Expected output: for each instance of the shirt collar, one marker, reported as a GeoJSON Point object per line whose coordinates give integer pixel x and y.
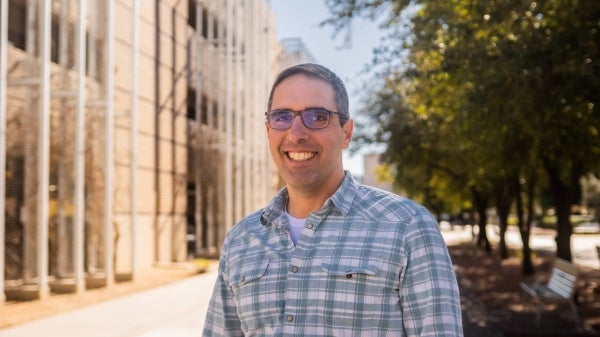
{"type": "Point", "coordinates": [343, 198]}
{"type": "Point", "coordinates": [341, 201]}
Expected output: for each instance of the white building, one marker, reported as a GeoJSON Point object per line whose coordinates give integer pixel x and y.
{"type": "Point", "coordinates": [127, 127]}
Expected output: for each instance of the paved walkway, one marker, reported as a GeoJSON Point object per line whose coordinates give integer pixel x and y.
{"type": "Point", "coordinates": [583, 246]}
{"type": "Point", "coordinates": [174, 310]}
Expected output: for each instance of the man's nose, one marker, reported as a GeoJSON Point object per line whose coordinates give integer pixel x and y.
{"type": "Point", "coordinates": [297, 130]}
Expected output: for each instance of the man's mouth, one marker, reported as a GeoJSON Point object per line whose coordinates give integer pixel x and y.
{"type": "Point", "coordinates": [301, 156]}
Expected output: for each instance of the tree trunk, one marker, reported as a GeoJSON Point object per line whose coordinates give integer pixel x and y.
{"type": "Point", "coordinates": [525, 223]}
{"type": "Point", "coordinates": [503, 224]}
{"type": "Point", "coordinates": [503, 201]}
{"type": "Point", "coordinates": [481, 202]}
{"type": "Point", "coordinates": [563, 195]}
{"type": "Point", "coordinates": [563, 227]}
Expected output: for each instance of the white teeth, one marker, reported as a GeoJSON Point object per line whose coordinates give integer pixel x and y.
{"type": "Point", "coordinates": [301, 155]}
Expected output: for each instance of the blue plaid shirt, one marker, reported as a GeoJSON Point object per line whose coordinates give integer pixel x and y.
{"type": "Point", "coordinates": [369, 263]}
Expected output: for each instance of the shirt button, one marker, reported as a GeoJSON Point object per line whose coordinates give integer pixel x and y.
{"type": "Point", "coordinates": [294, 269]}
{"type": "Point", "coordinates": [242, 278]}
{"type": "Point", "coordinates": [309, 226]}
{"type": "Point", "coordinates": [289, 318]}
{"type": "Point", "coordinates": [348, 275]}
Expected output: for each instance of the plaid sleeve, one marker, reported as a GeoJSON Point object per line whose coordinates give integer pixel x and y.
{"type": "Point", "coordinates": [429, 295]}
{"type": "Point", "coordinates": [222, 319]}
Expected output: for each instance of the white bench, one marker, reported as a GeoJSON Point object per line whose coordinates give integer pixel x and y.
{"type": "Point", "coordinates": [560, 288]}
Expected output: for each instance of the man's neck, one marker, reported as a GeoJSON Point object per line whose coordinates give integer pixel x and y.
{"type": "Point", "coordinates": [300, 206]}
{"type": "Point", "coordinates": [301, 203]}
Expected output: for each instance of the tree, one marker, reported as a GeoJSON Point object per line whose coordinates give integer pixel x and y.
{"type": "Point", "coordinates": [487, 92]}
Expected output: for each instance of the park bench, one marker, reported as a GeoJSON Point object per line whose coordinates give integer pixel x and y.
{"type": "Point", "coordinates": [560, 288]}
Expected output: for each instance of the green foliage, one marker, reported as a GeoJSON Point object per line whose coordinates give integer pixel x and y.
{"type": "Point", "coordinates": [476, 94]}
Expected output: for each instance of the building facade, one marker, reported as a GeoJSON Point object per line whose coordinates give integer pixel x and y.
{"type": "Point", "coordinates": [131, 133]}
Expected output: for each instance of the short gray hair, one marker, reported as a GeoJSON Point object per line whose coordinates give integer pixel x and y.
{"type": "Point", "coordinates": [312, 70]}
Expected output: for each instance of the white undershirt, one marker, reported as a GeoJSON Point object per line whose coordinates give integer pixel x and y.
{"type": "Point", "coordinates": [296, 226]}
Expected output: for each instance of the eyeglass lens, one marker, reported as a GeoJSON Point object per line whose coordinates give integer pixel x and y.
{"type": "Point", "coordinates": [313, 118]}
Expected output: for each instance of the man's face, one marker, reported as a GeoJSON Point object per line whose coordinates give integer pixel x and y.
{"type": "Point", "coordinates": [308, 160]}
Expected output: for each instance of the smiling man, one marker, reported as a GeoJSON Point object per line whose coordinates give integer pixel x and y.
{"type": "Point", "coordinates": [328, 256]}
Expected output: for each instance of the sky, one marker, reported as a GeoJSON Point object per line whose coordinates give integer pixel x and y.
{"type": "Point", "coordinates": [295, 18]}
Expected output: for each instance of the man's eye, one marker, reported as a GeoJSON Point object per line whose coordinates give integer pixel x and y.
{"type": "Point", "coordinates": [280, 116]}
{"type": "Point", "coordinates": [319, 116]}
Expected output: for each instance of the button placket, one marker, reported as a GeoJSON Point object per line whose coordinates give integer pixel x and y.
{"type": "Point", "coordinates": [298, 261]}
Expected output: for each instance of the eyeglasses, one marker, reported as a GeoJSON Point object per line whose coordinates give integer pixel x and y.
{"type": "Point", "coordinates": [312, 118]}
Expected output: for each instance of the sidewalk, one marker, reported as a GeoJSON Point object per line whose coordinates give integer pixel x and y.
{"type": "Point", "coordinates": [176, 310]}
{"type": "Point", "coordinates": [583, 246]}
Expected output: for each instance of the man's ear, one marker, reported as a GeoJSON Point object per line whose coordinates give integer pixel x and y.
{"type": "Point", "coordinates": [348, 128]}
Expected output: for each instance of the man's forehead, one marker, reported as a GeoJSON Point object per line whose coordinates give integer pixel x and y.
{"type": "Point", "coordinates": [303, 84]}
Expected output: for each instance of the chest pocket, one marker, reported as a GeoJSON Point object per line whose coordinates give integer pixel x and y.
{"type": "Point", "coordinates": [357, 287]}
{"type": "Point", "coordinates": [255, 293]}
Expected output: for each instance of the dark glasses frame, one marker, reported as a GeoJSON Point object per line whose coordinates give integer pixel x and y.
{"type": "Point", "coordinates": [305, 116]}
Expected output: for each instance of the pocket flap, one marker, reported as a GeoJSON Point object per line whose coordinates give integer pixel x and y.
{"type": "Point", "coordinates": [249, 272]}
{"type": "Point", "coordinates": [351, 266]}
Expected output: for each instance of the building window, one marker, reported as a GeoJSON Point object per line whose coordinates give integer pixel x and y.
{"type": "Point", "coordinates": [17, 33]}
{"type": "Point", "coordinates": [191, 107]}
{"type": "Point", "coordinates": [216, 30]}
{"type": "Point", "coordinates": [205, 23]}
{"type": "Point", "coordinates": [94, 46]}
{"type": "Point", "coordinates": [55, 39]}
{"type": "Point", "coordinates": [191, 104]}
{"type": "Point", "coordinates": [204, 110]}
{"type": "Point", "coordinates": [192, 13]}
{"type": "Point", "coordinates": [17, 23]}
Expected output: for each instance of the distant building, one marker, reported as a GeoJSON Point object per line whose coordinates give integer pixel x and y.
{"type": "Point", "coordinates": [294, 51]}
{"type": "Point", "coordinates": [371, 162]}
